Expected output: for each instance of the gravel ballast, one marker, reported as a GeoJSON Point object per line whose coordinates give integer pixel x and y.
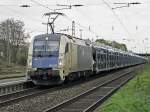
{"type": "Point", "coordinates": [41, 102]}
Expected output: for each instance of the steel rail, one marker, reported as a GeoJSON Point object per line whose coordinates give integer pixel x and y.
{"type": "Point", "coordinates": [7, 98]}
{"type": "Point", "coordinates": [75, 99]}
{"type": "Point", "coordinates": [52, 89]}
{"type": "Point", "coordinates": [32, 94]}
{"type": "Point", "coordinates": [105, 97]}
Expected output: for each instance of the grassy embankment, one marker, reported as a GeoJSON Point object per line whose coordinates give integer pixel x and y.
{"type": "Point", "coordinates": [134, 97]}
{"type": "Point", "coordinates": [12, 71]}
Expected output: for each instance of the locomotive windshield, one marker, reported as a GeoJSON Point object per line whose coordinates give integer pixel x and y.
{"type": "Point", "coordinates": [45, 48]}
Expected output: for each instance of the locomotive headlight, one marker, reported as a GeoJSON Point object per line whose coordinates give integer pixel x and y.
{"type": "Point", "coordinates": [60, 62]}
{"type": "Point", "coordinates": [30, 63]}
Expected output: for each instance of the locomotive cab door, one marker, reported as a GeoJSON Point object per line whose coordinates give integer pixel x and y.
{"type": "Point", "coordinates": [67, 59]}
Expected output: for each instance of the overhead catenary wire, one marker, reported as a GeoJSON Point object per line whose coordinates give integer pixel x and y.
{"type": "Point", "coordinates": [117, 17]}
{"type": "Point", "coordinates": [13, 11]}
{"type": "Point", "coordinates": [87, 17]}
{"type": "Point", "coordinates": [44, 6]}
{"type": "Point", "coordinates": [41, 5]}
{"type": "Point", "coordinates": [87, 29]}
{"type": "Point", "coordinates": [16, 11]}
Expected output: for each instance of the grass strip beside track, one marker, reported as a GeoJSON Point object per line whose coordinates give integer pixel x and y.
{"type": "Point", "coordinates": [134, 97]}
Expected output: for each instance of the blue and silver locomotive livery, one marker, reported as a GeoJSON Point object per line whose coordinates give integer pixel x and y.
{"type": "Point", "coordinates": [55, 58]}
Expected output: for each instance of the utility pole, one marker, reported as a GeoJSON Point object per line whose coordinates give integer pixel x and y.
{"type": "Point", "coordinates": [81, 33]}
{"type": "Point", "coordinates": [9, 57]}
{"type": "Point", "coordinates": [8, 42]}
{"type": "Point", "coordinates": [97, 37]}
{"type": "Point", "coordinates": [73, 28]}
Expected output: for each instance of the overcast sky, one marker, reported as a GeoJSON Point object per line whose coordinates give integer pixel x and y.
{"type": "Point", "coordinates": [130, 25]}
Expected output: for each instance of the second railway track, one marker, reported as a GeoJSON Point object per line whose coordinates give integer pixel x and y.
{"type": "Point", "coordinates": [89, 100]}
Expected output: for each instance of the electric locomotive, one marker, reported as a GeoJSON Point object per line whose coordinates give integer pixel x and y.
{"type": "Point", "coordinates": [56, 57]}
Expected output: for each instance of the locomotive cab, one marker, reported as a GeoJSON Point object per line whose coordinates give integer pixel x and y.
{"type": "Point", "coordinates": [45, 59]}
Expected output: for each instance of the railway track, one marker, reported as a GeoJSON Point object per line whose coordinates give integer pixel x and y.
{"type": "Point", "coordinates": [16, 96]}
{"type": "Point", "coordinates": [31, 93]}
{"type": "Point", "coordinates": [91, 99]}
{"type": "Point", "coordinates": [21, 95]}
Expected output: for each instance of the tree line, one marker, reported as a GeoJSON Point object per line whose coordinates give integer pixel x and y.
{"type": "Point", "coordinates": [13, 42]}
{"type": "Point", "coordinates": [113, 44]}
